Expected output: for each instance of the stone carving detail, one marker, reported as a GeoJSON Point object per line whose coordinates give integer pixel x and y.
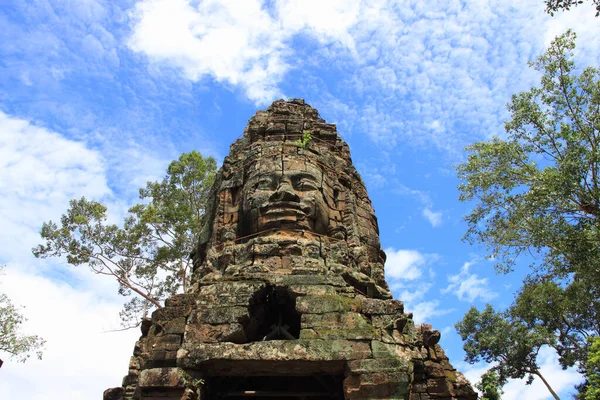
{"type": "Point", "coordinates": [289, 298]}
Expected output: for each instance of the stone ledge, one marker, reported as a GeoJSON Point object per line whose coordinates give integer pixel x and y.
{"type": "Point", "coordinates": [275, 350]}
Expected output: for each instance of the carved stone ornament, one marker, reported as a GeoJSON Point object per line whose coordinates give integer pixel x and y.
{"type": "Point", "coordinates": [288, 297]}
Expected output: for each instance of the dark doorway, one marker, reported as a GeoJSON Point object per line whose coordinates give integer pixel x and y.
{"type": "Point", "coordinates": [272, 315]}
{"type": "Point", "coordinates": [315, 387]}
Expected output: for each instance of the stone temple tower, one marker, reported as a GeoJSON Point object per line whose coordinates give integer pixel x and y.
{"type": "Point", "coordinates": [288, 297]}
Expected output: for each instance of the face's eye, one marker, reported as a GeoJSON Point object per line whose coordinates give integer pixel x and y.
{"type": "Point", "coordinates": [304, 183]}
{"type": "Point", "coordinates": [265, 183]}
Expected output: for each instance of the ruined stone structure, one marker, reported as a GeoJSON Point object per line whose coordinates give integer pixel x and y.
{"type": "Point", "coordinates": [289, 298]}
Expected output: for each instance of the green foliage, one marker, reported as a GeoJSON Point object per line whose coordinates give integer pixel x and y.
{"type": "Point", "coordinates": [149, 255]}
{"type": "Point", "coordinates": [305, 140]}
{"type": "Point", "coordinates": [568, 312]}
{"type": "Point", "coordinates": [12, 341]}
{"type": "Point", "coordinates": [592, 391]}
{"type": "Point", "coordinates": [536, 194]}
{"type": "Point", "coordinates": [489, 386]}
{"type": "Point", "coordinates": [495, 337]}
{"type": "Point", "coordinates": [565, 5]}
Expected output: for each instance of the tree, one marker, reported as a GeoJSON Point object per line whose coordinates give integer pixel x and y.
{"type": "Point", "coordinates": [537, 195]}
{"type": "Point", "coordinates": [12, 341]}
{"type": "Point", "coordinates": [565, 5]}
{"type": "Point", "coordinates": [592, 386]}
{"type": "Point", "coordinates": [495, 337]}
{"type": "Point", "coordinates": [568, 312]}
{"type": "Point", "coordinates": [537, 192]}
{"type": "Point", "coordinates": [489, 386]}
{"type": "Point", "coordinates": [150, 255]}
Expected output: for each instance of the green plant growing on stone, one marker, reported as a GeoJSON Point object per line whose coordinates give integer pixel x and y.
{"type": "Point", "coordinates": [305, 140]}
{"type": "Point", "coordinates": [149, 255]}
{"type": "Point", "coordinates": [192, 383]}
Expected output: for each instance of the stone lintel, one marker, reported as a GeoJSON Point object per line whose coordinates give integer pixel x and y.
{"type": "Point", "coordinates": [274, 350]}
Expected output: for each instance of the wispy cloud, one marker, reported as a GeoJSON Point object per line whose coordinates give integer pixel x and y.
{"type": "Point", "coordinates": [435, 218]}
{"type": "Point", "coordinates": [405, 272]}
{"type": "Point", "coordinates": [429, 76]}
{"type": "Point", "coordinates": [468, 286]}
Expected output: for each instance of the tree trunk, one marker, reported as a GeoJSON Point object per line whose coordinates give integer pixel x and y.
{"type": "Point", "coordinates": [538, 373]}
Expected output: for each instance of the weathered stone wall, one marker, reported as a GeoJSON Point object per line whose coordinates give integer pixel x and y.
{"type": "Point", "coordinates": [288, 282]}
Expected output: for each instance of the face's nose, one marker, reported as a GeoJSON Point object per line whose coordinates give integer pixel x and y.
{"type": "Point", "coordinates": [285, 192]}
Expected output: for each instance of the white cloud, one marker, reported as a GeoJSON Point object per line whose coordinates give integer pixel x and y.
{"type": "Point", "coordinates": [404, 271]}
{"type": "Point", "coordinates": [40, 171]}
{"type": "Point", "coordinates": [81, 356]}
{"type": "Point", "coordinates": [233, 42]}
{"type": "Point", "coordinates": [424, 311]}
{"type": "Point", "coordinates": [468, 287]}
{"type": "Point", "coordinates": [238, 43]}
{"type": "Point", "coordinates": [450, 63]}
{"type": "Point", "coordinates": [434, 218]}
{"type": "Point", "coordinates": [405, 265]}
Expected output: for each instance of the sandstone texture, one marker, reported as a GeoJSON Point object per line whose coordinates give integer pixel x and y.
{"type": "Point", "coordinates": [288, 296]}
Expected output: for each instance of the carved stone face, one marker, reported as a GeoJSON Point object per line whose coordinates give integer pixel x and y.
{"type": "Point", "coordinates": [285, 194]}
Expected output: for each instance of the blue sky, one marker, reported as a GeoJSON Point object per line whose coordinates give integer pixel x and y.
{"type": "Point", "coordinates": [97, 97]}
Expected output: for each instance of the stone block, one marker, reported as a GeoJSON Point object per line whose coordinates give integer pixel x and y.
{"type": "Point", "coordinates": [326, 304]}
{"type": "Point", "coordinates": [170, 313]}
{"type": "Point", "coordinates": [114, 393]}
{"type": "Point", "coordinates": [162, 377]}
{"type": "Point", "coordinates": [160, 355]}
{"type": "Point", "coordinates": [175, 326]}
{"type": "Point", "coordinates": [386, 350]}
{"type": "Point", "coordinates": [288, 280]}
{"type": "Point", "coordinates": [303, 290]}
{"type": "Point", "coordinates": [339, 334]}
{"type": "Point", "coordinates": [169, 342]}
{"type": "Point", "coordinates": [199, 333]}
{"type": "Point", "coordinates": [218, 315]}
{"type": "Point", "coordinates": [439, 387]}
{"type": "Point", "coordinates": [180, 300]}
{"type": "Point", "coordinates": [341, 320]}
{"type": "Point", "coordinates": [378, 385]}
{"type": "Point", "coordinates": [377, 307]}
{"type": "Point", "coordinates": [368, 365]}
{"type": "Point", "coordinates": [434, 370]}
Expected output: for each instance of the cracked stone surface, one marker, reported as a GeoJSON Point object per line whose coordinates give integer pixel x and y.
{"type": "Point", "coordinates": [288, 292]}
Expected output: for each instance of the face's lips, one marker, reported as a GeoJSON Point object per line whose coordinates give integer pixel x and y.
{"type": "Point", "coordinates": [284, 207]}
